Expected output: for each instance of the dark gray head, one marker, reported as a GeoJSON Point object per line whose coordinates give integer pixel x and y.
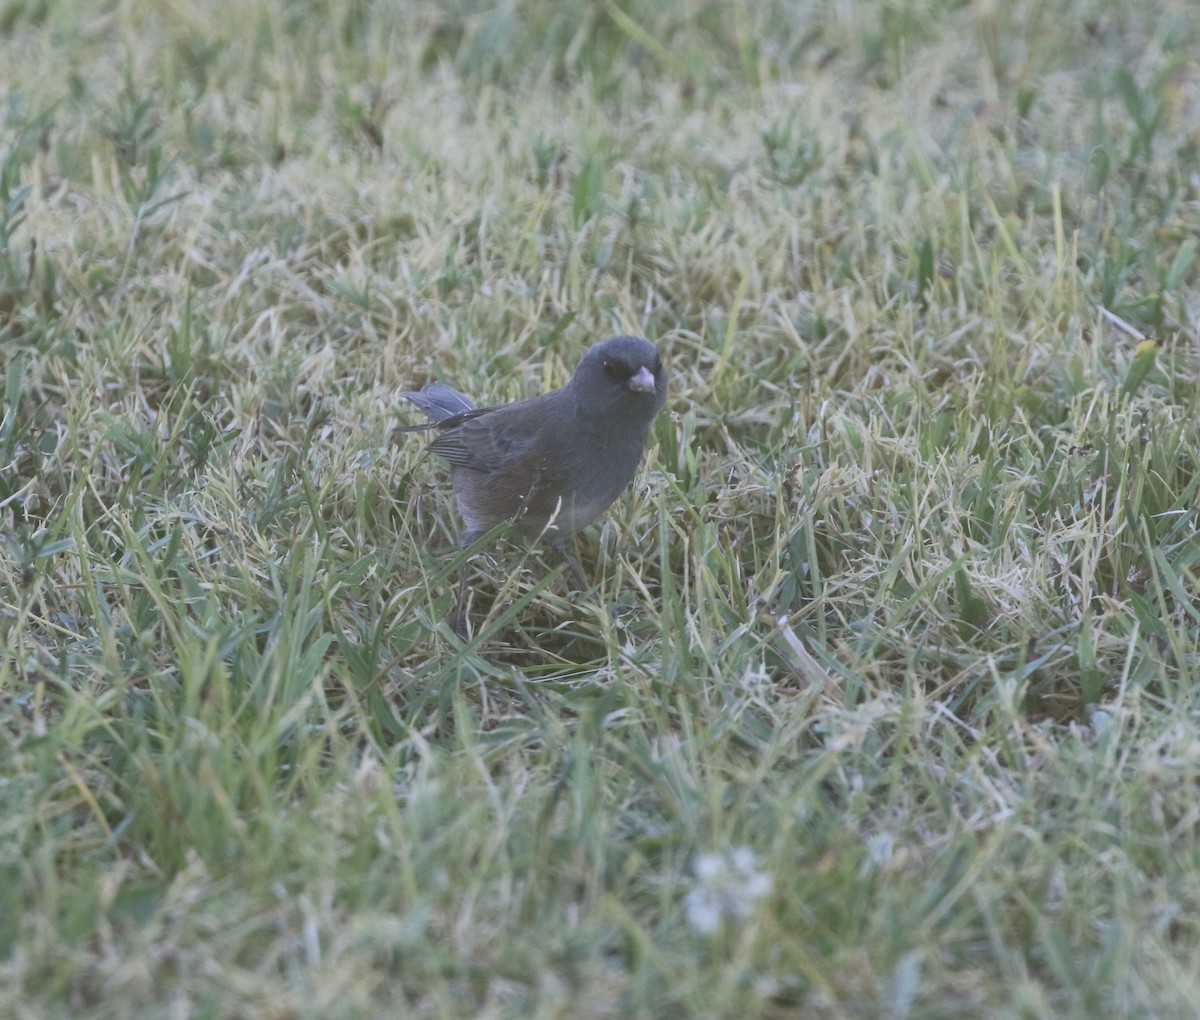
{"type": "Point", "coordinates": [624, 377]}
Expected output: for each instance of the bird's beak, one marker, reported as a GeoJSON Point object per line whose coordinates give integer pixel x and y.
{"type": "Point", "coordinates": [643, 381]}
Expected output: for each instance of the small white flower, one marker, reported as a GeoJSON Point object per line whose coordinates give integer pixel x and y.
{"type": "Point", "coordinates": [742, 858]}
{"type": "Point", "coordinates": [709, 867]}
{"type": "Point", "coordinates": [879, 849]}
{"type": "Point", "coordinates": [1101, 721]}
{"type": "Point", "coordinates": [703, 910]}
{"type": "Point", "coordinates": [727, 886]}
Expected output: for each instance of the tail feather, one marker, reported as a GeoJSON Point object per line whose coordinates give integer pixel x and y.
{"type": "Point", "coordinates": [439, 401]}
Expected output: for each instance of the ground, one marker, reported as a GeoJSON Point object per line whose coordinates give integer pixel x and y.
{"type": "Point", "coordinates": [882, 699]}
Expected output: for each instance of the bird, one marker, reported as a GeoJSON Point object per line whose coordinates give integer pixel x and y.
{"type": "Point", "coordinates": [551, 465]}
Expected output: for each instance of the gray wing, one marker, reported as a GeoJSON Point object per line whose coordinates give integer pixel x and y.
{"type": "Point", "coordinates": [488, 439]}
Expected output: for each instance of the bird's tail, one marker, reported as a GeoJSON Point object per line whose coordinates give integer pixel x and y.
{"type": "Point", "coordinates": [439, 402]}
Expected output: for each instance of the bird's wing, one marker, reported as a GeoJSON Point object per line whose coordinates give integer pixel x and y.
{"type": "Point", "coordinates": [486, 439]}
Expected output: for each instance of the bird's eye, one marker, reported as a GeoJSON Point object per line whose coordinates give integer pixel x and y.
{"type": "Point", "coordinates": [610, 370]}
{"type": "Point", "coordinates": [658, 364]}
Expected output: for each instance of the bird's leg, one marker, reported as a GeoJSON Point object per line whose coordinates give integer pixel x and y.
{"type": "Point", "coordinates": [559, 545]}
{"type": "Point", "coordinates": [577, 574]}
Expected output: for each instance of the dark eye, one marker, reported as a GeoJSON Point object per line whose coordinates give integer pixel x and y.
{"type": "Point", "coordinates": [610, 370]}
{"type": "Point", "coordinates": [658, 364]}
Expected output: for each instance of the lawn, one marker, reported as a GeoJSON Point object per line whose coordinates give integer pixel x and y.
{"type": "Point", "coordinates": [882, 699]}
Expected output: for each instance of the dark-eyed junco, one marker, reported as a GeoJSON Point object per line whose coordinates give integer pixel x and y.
{"type": "Point", "coordinates": [552, 464]}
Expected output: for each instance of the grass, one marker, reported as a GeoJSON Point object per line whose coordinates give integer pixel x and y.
{"type": "Point", "coordinates": [884, 700]}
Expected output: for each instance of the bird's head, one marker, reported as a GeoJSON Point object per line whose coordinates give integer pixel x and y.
{"type": "Point", "coordinates": [623, 376]}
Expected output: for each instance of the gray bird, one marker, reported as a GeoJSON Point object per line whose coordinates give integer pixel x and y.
{"type": "Point", "coordinates": [551, 465]}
